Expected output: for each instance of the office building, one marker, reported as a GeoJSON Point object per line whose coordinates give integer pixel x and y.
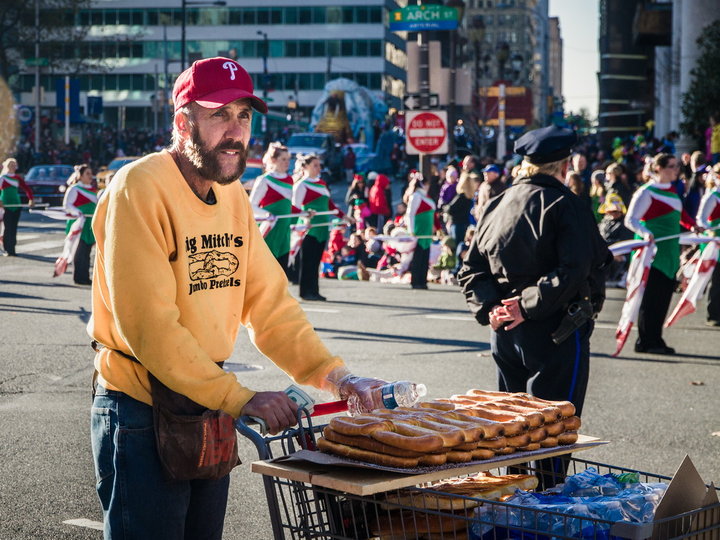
{"type": "Point", "coordinates": [290, 48]}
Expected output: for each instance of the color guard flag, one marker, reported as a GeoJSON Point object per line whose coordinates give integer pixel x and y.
{"type": "Point", "coordinates": [636, 281]}
{"type": "Point", "coordinates": [696, 286]}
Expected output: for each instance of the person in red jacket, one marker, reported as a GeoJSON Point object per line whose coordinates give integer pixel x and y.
{"type": "Point", "coordinates": [379, 201]}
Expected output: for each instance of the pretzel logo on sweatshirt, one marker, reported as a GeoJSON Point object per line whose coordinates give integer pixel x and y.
{"type": "Point", "coordinates": [214, 267]}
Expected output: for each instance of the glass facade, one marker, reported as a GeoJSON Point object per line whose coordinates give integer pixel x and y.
{"type": "Point", "coordinates": [145, 82]}
{"type": "Point", "coordinates": [292, 48]}
{"type": "Point", "coordinates": [213, 16]}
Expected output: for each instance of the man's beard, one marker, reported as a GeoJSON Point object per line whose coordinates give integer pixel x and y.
{"type": "Point", "coordinates": [206, 160]}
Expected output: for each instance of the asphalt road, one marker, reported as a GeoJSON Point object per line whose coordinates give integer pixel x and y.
{"type": "Point", "coordinates": [652, 409]}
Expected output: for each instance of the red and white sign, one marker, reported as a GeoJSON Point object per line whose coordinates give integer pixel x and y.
{"type": "Point", "coordinates": [426, 132]}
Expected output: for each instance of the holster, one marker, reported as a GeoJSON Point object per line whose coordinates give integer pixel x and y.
{"type": "Point", "coordinates": [577, 314]}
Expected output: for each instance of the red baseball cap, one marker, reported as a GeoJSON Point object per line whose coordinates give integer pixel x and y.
{"type": "Point", "coordinates": [214, 82]}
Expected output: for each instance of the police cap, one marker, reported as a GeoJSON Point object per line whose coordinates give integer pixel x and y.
{"type": "Point", "coordinates": [546, 145]}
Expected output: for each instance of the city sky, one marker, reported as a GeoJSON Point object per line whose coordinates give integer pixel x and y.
{"type": "Point", "coordinates": [579, 22]}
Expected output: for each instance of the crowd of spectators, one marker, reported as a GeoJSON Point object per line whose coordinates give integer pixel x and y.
{"type": "Point", "coordinates": [377, 245]}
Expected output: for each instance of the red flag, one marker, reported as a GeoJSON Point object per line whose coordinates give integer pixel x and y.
{"type": "Point", "coordinates": [696, 286]}
{"type": "Point", "coordinates": [636, 282]}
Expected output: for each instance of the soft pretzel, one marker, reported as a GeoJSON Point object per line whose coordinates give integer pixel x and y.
{"type": "Point", "coordinates": [359, 425]}
{"type": "Point", "coordinates": [555, 429]}
{"type": "Point", "coordinates": [511, 423]}
{"type": "Point", "coordinates": [550, 442]}
{"type": "Point", "coordinates": [493, 444]}
{"type": "Point", "coordinates": [537, 434]}
{"type": "Point", "coordinates": [548, 408]}
{"type": "Point", "coordinates": [473, 430]}
{"type": "Point", "coordinates": [436, 405]}
{"type": "Point", "coordinates": [459, 456]}
{"type": "Point", "coordinates": [366, 455]}
{"type": "Point", "coordinates": [410, 437]}
{"type": "Point", "coordinates": [367, 443]}
{"type": "Point", "coordinates": [569, 437]}
{"type": "Point", "coordinates": [433, 460]}
{"type": "Point", "coordinates": [452, 434]}
{"type": "Point", "coordinates": [491, 428]}
{"type": "Point", "coordinates": [566, 407]}
{"type": "Point", "coordinates": [518, 441]}
{"type": "Point", "coordinates": [483, 453]}
{"type": "Point", "coordinates": [496, 411]}
{"type": "Point", "coordinates": [572, 423]}
{"type": "Point", "coordinates": [535, 417]}
{"type": "Point", "coordinates": [530, 447]}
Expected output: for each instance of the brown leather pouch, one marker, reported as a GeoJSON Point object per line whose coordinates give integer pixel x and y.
{"type": "Point", "coordinates": [193, 442]}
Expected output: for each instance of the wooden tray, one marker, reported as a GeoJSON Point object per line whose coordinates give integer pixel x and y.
{"type": "Point", "coordinates": [362, 479]}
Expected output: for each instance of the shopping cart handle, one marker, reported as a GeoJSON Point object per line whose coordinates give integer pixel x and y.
{"type": "Point", "coordinates": [321, 409]}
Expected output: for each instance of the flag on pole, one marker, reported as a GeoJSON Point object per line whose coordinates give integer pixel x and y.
{"type": "Point", "coordinates": [69, 246]}
{"type": "Point", "coordinates": [636, 282]}
{"type": "Point", "coordinates": [297, 235]}
{"type": "Point", "coordinates": [696, 286]}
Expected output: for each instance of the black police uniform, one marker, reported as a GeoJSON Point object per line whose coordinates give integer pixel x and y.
{"type": "Point", "coordinates": [537, 240]}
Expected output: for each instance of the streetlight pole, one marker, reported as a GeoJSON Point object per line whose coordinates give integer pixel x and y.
{"type": "Point", "coordinates": [265, 57]}
{"type": "Point", "coordinates": [37, 76]}
{"type": "Point", "coordinates": [183, 22]}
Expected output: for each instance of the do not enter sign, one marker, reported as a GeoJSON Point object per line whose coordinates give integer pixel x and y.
{"type": "Point", "coordinates": [426, 132]}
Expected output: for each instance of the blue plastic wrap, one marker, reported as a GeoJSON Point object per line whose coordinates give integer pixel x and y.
{"type": "Point", "coordinates": [584, 507]}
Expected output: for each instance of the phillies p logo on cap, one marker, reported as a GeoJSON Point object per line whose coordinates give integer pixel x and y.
{"type": "Point", "coordinates": [214, 82]}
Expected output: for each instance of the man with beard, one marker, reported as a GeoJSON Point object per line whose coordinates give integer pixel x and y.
{"type": "Point", "coordinates": [181, 265]}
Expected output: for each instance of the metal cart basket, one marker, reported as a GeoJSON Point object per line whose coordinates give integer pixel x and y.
{"type": "Point", "coordinates": [303, 510]}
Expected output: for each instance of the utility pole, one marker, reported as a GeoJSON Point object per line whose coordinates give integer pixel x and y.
{"type": "Point", "coordinates": [263, 121]}
{"type": "Point", "coordinates": [166, 86]}
{"type": "Point", "coordinates": [37, 76]}
{"type": "Point", "coordinates": [424, 83]}
{"type": "Point", "coordinates": [501, 149]}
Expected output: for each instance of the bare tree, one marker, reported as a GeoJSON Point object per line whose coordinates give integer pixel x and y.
{"type": "Point", "coordinates": [58, 34]}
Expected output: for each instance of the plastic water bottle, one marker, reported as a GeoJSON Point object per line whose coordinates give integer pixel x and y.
{"type": "Point", "coordinates": [390, 396]}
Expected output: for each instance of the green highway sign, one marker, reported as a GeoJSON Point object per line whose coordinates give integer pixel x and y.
{"type": "Point", "coordinates": [34, 62]}
{"type": "Point", "coordinates": [425, 17]}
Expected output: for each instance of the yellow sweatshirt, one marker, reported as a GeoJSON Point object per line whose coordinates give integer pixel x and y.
{"type": "Point", "coordinates": [175, 278]}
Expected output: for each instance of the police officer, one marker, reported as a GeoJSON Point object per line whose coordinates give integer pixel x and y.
{"type": "Point", "coordinates": [534, 274]}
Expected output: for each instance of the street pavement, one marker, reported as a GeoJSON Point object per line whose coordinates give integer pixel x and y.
{"type": "Point", "coordinates": [654, 410]}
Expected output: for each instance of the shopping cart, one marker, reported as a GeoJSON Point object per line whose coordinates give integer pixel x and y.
{"type": "Point", "coordinates": [300, 509]}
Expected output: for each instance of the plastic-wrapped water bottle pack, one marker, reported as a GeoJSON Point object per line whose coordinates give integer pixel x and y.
{"type": "Point", "coordinates": [585, 506]}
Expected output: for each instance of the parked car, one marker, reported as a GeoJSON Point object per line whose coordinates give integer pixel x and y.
{"type": "Point", "coordinates": [364, 158]}
{"type": "Point", "coordinates": [112, 168]}
{"type": "Point", "coordinates": [48, 183]}
{"type": "Point", "coordinates": [322, 144]}
{"type": "Point", "coordinates": [253, 169]}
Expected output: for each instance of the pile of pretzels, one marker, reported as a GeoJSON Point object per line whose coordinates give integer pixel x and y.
{"type": "Point", "coordinates": [477, 425]}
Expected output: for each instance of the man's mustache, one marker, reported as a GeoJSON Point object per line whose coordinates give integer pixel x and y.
{"type": "Point", "coordinates": [229, 145]}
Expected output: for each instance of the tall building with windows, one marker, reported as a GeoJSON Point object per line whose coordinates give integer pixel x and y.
{"type": "Point", "coordinates": [290, 48]}
{"type": "Point", "coordinates": [512, 40]}
{"type": "Point", "coordinates": [555, 62]}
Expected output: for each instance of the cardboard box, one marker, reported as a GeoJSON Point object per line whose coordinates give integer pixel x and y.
{"type": "Point", "coordinates": [688, 508]}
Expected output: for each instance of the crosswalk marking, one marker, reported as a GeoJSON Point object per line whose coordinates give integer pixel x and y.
{"type": "Point", "coordinates": [451, 318]}
{"type": "Point", "coordinates": [83, 522]}
{"type": "Point", "coordinates": [39, 246]}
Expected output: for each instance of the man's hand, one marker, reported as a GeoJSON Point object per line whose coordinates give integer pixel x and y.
{"type": "Point", "coordinates": [495, 313]}
{"type": "Point", "coordinates": [363, 388]}
{"type": "Point", "coordinates": [276, 408]}
{"type": "Point", "coordinates": [31, 203]}
{"type": "Point", "coordinates": [649, 237]}
{"type": "Point", "coordinates": [513, 313]}
{"type": "Point", "coordinates": [697, 229]}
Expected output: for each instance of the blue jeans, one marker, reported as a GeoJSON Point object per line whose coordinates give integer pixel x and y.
{"type": "Point", "coordinates": [137, 500]}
